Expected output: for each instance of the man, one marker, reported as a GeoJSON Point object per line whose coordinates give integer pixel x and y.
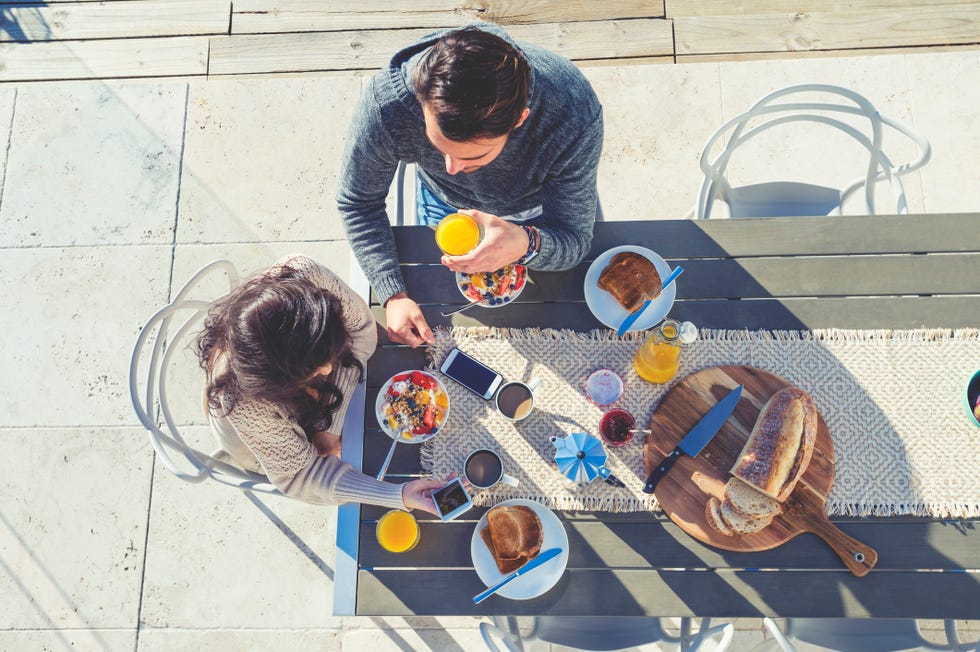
{"type": "Point", "coordinates": [495, 129]}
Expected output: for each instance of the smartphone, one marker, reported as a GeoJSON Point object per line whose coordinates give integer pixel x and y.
{"type": "Point", "coordinates": [471, 374]}
{"type": "Point", "coordinates": [452, 500]}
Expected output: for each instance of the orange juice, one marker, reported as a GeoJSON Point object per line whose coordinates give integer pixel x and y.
{"type": "Point", "coordinates": [398, 531]}
{"type": "Point", "coordinates": [457, 234]}
{"type": "Point", "coordinates": [659, 357]}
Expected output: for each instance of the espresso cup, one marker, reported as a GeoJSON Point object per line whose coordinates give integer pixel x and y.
{"type": "Point", "coordinates": [484, 469]}
{"type": "Point", "coordinates": [515, 400]}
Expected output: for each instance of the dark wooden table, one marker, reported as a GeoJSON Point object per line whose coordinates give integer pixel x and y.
{"type": "Point", "coordinates": [798, 274]}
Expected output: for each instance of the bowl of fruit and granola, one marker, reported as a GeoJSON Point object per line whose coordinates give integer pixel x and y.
{"type": "Point", "coordinates": [412, 406]}
{"type": "Point", "coordinates": [493, 289]}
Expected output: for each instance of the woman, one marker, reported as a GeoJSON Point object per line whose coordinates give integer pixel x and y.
{"type": "Point", "coordinates": [283, 353]}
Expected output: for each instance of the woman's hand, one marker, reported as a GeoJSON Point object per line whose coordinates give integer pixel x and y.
{"type": "Point", "coordinates": [405, 321]}
{"type": "Point", "coordinates": [503, 243]}
{"type": "Point", "coordinates": [326, 443]}
{"type": "Point", "coordinates": [417, 494]}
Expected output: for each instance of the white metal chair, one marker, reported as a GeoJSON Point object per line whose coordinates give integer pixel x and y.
{"type": "Point", "coordinates": [861, 635]}
{"type": "Point", "coordinates": [794, 198]}
{"type": "Point", "coordinates": [148, 371]}
{"type": "Point", "coordinates": [600, 633]}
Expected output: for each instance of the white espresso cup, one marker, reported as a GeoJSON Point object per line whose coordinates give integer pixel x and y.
{"type": "Point", "coordinates": [483, 469]}
{"type": "Point", "coordinates": [515, 400]}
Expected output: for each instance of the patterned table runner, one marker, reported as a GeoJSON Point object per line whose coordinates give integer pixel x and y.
{"type": "Point", "coordinates": [892, 401]}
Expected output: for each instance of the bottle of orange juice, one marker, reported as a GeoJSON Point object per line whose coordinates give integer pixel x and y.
{"type": "Point", "coordinates": [659, 357]}
{"type": "Point", "coordinates": [457, 234]}
{"type": "Point", "coordinates": [397, 531]}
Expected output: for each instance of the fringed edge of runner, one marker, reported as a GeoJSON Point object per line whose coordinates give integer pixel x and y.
{"type": "Point", "coordinates": [829, 334]}
{"type": "Point", "coordinates": [931, 510]}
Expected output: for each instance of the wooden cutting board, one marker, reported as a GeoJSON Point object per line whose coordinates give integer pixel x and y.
{"type": "Point", "coordinates": [684, 492]}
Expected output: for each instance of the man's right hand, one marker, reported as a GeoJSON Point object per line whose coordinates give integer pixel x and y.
{"type": "Point", "coordinates": [406, 323]}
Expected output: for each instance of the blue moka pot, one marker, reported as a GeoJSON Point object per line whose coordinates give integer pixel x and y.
{"type": "Point", "coordinates": [581, 458]}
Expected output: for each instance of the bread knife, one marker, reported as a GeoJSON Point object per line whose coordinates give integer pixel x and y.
{"type": "Point", "coordinates": [543, 558]}
{"type": "Point", "coordinates": [697, 437]}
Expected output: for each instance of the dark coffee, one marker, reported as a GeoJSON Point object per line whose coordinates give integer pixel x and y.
{"type": "Point", "coordinates": [515, 401]}
{"type": "Point", "coordinates": [483, 469]}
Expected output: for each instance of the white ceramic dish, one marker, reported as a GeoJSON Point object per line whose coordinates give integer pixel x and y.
{"type": "Point", "coordinates": [538, 581]}
{"type": "Point", "coordinates": [605, 307]}
{"type": "Point", "coordinates": [406, 435]}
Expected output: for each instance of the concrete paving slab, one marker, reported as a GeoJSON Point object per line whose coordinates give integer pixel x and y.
{"type": "Point", "coordinates": [218, 558]}
{"type": "Point", "coordinates": [8, 95]}
{"type": "Point", "coordinates": [262, 159]}
{"type": "Point", "coordinates": [404, 639]}
{"type": "Point", "coordinates": [238, 640]}
{"type": "Point", "coordinates": [93, 163]}
{"type": "Point", "coordinates": [70, 318]}
{"type": "Point", "coordinates": [657, 118]}
{"type": "Point", "coordinates": [945, 90]}
{"type": "Point", "coordinates": [816, 153]}
{"type": "Point", "coordinates": [82, 640]}
{"type": "Point", "coordinates": [73, 506]}
{"type": "Point", "coordinates": [186, 377]}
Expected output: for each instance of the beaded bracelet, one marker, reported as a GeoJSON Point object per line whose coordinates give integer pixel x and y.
{"type": "Point", "coordinates": [533, 245]}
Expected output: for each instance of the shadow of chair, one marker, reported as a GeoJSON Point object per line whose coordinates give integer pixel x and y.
{"type": "Point", "coordinates": [148, 371]}
{"type": "Point", "coordinates": [600, 633]}
{"type": "Point", "coordinates": [860, 635]}
{"type": "Point", "coordinates": [794, 198]}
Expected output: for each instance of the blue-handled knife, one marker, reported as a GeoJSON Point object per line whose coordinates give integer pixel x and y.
{"type": "Point", "coordinates": [697, 438]}
{"type": "Point", "coordinates": [542, 558]}
{"type": "Point", "coordinates": [633, 316]}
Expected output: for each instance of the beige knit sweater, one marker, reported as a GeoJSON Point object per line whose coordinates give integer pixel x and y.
{"type": "Point", "coordinates": [262, 438]}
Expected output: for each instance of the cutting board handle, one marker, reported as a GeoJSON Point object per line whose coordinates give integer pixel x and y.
{"type": "Point", "coordinates": [858, 558]}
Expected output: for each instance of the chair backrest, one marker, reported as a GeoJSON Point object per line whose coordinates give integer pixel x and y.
{"type": "Point", "coordinates": [149, 366]}
{"type": "Point", "coordinates": [783, 107]}
{"type": "Point", "coordinates": [601, 633]}
{"type": "Point", "coordinates": [861, 634]}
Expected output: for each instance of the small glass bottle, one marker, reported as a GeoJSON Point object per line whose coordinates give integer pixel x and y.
{"type": "Point", "coordinates": [659, 357]}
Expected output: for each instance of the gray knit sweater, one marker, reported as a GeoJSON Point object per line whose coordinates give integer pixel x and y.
{"type": "Point", "coordinates": [550, 161]}
{"type": "Point", "coordinates": [261, 438]}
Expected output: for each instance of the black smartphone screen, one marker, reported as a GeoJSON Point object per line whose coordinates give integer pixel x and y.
{"type": "Point", "coordinates": [450, 497]}
{"type": "Point", "coordinates": [470, 373]}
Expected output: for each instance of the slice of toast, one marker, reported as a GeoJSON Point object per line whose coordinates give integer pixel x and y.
{"type": "Point", "coordinates": [505, 566]}
{"type": "Point", "coordinates": [740, 524]}
{"type": "Point", "coordinates": [712, 513]}
{"type": "Point", "coordinates": [631, 278]}
{"type": "Point", "coordinates": [516, 531]}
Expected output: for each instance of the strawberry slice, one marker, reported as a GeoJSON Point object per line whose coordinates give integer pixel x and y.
{"type": "Point", "coordinates": [429, 418]}
{"type": "Point", "coordinates": [504, 285]}
{"type": "Point", "coordinates": [422, 380]}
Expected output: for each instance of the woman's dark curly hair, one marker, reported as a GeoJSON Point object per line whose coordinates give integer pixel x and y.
{"type": "Point", "coordinates": [274, 332]}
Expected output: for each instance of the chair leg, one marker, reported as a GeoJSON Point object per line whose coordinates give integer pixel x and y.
{"type": "Point", "coordinates": [777, 634]}
{"type": "Point", "coordinates": [505, 630]}
{"type": "Point", "coordinates": [692, 643]}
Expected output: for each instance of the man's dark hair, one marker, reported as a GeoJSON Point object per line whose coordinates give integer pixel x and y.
{"type": "Point", "coordinates": [475, 83]}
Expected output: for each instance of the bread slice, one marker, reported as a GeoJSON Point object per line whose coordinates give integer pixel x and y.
{"type": "Point", "coordinates": [781, 444]}
{"type": "Point", "coordinates": [631, 278]}
{"type": "Point", "coordinates": [712, 513]}
{"type": "Point", "coordinates": [740, 524]}
{"type": "Point", "coordinates": [514, 534]}
{"type": "Point", "coordinates": [746, 500]}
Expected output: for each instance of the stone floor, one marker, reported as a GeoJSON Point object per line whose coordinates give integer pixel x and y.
{"type": "Point", "coordinates": [113, 193]}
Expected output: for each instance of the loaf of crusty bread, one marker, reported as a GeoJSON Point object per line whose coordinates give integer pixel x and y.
{"type": "Point", "coordinates": [748, 501]}
{"type": "Point", "coordinates": [514, 535]}
{"type": "Point", "coordinates": [781, 443]}
{"type": "Point", "coordinates": [631, 278]}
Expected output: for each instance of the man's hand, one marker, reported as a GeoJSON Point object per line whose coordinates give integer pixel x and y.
{"type": "Point", "coordinates": [406, 323]}
{"type": "Point", "coordinates": [417, 494]}
{"type": "Point", "coordinates": [503, 243]}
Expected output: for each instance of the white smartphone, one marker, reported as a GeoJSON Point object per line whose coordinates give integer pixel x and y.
{"type": "Point", "coordinates": [471, 374]}
{"type": "Point", "coordinates": [452, 500]}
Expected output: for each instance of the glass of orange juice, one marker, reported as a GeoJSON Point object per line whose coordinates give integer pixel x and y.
{"type": "Point", "coordinates": [659, 357]}
{"type": "Point", "coordinates": [457, 234]}
{"type": "Point", "coordinates": [398, 531]}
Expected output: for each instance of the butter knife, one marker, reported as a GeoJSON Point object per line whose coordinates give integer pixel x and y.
{"type": "Point", "coordinates": [632, 317]}
{"type": "Point", "coordinates": [542, 558]}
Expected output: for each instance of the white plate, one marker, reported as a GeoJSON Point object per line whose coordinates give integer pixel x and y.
{"type": "Point", "coordinates": [536, 582]}
{"type": "Point", "coordinates": [463, 279]}
{"type": "Point", "coordinates": [605, 307]}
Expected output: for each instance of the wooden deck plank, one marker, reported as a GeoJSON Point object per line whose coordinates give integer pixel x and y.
{"type": "Point", "coordinates": [370, 49]}
{"type": "Point", "coordinates": [729, 594]}
{"type": "Point", "coordinates": [939, 25]}
{"type": "Point", "coordinates": [134, 18]}
{"type": "Point", "coordinates": [270, 16]}
{"type": "Point", "coordinates": [151, 57]}
{"type": "Point", "coordinates": [676, 8]}
{"type": "Point", "coordinates": [822, 54]}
